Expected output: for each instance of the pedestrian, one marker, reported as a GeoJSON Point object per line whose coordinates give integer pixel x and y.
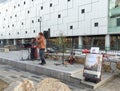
{"type": "Point", "coordinates": [33, 53]}
{"type": "Point", "coordinates": [41, 45]}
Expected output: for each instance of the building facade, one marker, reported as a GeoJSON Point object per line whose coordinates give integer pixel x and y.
{"type": "Point", "coordinates": [114, 23]}
{"type": "Point", "coordinates": [85, 23]}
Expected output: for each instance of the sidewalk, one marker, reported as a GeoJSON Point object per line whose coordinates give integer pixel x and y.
{"type": "Point", "coordinates": [62, 72]}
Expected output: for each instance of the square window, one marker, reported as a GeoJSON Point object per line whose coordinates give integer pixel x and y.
{"type": "Point", "coordinates": [118, 21]}
{"type": "Point", "coordinates": [15, 15]}
{"type": "Point", "coordinates": [38, 20]}
{"type": "Point", "coordinates": [22, 23]}
{"type": "Point", "coordinates": [12, 25]}
{"type": "Point", "coordinates": [83, 11]}
{"type": "Point", "coordinates": [41, 7]}
{"type": "Point", "coordinates": [59, 15]}
{"type": "Point", "coordinates": [96, 24]}
{"type": "Point", "coordinates": [48, 29]}
{"type": "Point", "coordinates": [26, 32]}
{"type": "Point", "coordinates": [18, 5]}
{"type": "Point", "coordinates": [71, 27]}
{"type": "Point", "coordinates": [33, 31]}
{"type": "Point", "coordinates": [50, 4]}
{"type": "Point", "coordinates": [10, 17]}
{"type": "Point", "coordinates": [68, 0]}
{"type": "Point", "coordinates": [24, 2]}
{"type": "Point", "coordinates": [14, 7]}
{"type": "Point", "coordinates": [32, 0]}
{"type": "Point", "coordinates": [32, 21]}
{"type": "Point", "coordinates": [28, 11]}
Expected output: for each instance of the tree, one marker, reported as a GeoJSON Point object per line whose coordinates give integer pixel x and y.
{"type": "Point", "coordinates": [62, 43]}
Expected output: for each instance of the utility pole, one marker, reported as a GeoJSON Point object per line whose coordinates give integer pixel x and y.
{"type": "Point", "coordinates": [40, 23]}
{"type": "Point", "coordinates": [72, 43]}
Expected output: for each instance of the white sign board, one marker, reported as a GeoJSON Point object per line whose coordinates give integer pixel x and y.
{"type": "Point", "coordinates": [93, 65]}
{"type": "Point", "coordinates": [94, 50]}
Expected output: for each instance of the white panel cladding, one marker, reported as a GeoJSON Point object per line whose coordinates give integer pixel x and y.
{"type": "Point", "coordinates": [33, 12]}
{"type": "Point", "coordinates": [102, 23]}
{"type": "Point", "coordinates": [62, 5]}
{"type": "Point", "coordinates": [28, 22]}
{"type": "Point", "coordinates": [22, 14]}
{"type": "Point", "coordinates": [33, 32]}
{"type": "Point", "coordinates": [13, 34]}
{"type": "Point", "coordinates": [58, 15]}
{"type": "Point", "coordinates": [38, 11]}
{"type": "Point", "coordinates": [27, 4]}
{"type": "Point", "coordinates": [84, 2]}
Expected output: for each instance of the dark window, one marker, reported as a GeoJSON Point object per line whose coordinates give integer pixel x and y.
{"type": "Point", "coordinates": [12, 25]}
{"type": "Point", "coordinates": [33, 31]}
{"type": "Point", "coordinates": [38, 20]}
{"type": "Point", "coordinates": [96, 24]}
{"type": "Point", "coordinates": [118, 21]}
{"type": "Point", "coordinates": [18, 5]}
{"type": "Point", "coordinates": [59, 15]}
{"type": "Point", "coordinates": [68, 0]}
{"type": "Point", "coordinates": [32, 21]}
{"type": "Point", "coordinates": [48, 29]}
{"type": "Point", "coordinates": [4, 19]}
{"type": "Point", "coordinates": [3, 27]}
{"type": "Point", "coordinates": [6, 10]}
{"type": "Point", "coordinates": [8, 26]}
{"type": "Point", "coordinates": [28, 11]}
{"type": "Point", "coordinates": [10, 17]}
{"type": "Point", "coordinates": [0, 12]}
{"type": "Point", "coordinates": [32, 0]}
{"type": "Point", "coordinates": [22, 23]}
{"type": "Point", "coordinates": [50, 4]}
{"type": "Point", "coordinates": [9, 33]}
{"type": "Point", "coordinates": [71, 27]}
{"type": "Point", "coordinates": [14, 7]}
{"type": "Point", "coordinates": [18, 33]}
{"type": "Point", "coordinates": [83, 11]}
{"type": "Point", "coordinates": [26, 32]}
{"type": "Point", "coordinates": [41, 7]}
{"type": "Point", "coordinates": [15, 15]}
{"type": "Point", "coordinates": [24, 2]}
{"type": "Point", "coordinates": [1, 34]}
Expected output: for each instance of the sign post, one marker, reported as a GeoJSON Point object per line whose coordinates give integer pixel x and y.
{"type": "Point", "coordinates": [93, 67]}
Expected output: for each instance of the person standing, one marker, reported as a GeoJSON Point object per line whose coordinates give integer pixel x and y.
{"type": "Point", "coordinates": [33, 53]}
{"type": "Point", "coordinates": [41, 45]}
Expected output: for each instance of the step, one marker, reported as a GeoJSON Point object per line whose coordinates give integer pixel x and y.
{"type": "Point", "coordinates": [106, 77]}
{"type": "Point", "coordinates": [78, 76]}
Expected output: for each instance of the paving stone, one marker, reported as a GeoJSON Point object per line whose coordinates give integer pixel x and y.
{"type": "Point", "coordinates": [9, 73]}
{"type": "Point", "coordinates": [13, 76]}
{"type": "Point", "coordinates": [23, 76]}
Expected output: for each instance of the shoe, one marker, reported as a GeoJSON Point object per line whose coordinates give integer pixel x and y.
{"type": "Point", "coordinates": [42, 63]}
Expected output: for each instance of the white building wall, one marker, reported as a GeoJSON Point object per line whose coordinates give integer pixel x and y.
{"type": "Point", "coordinates": [18, 22]}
